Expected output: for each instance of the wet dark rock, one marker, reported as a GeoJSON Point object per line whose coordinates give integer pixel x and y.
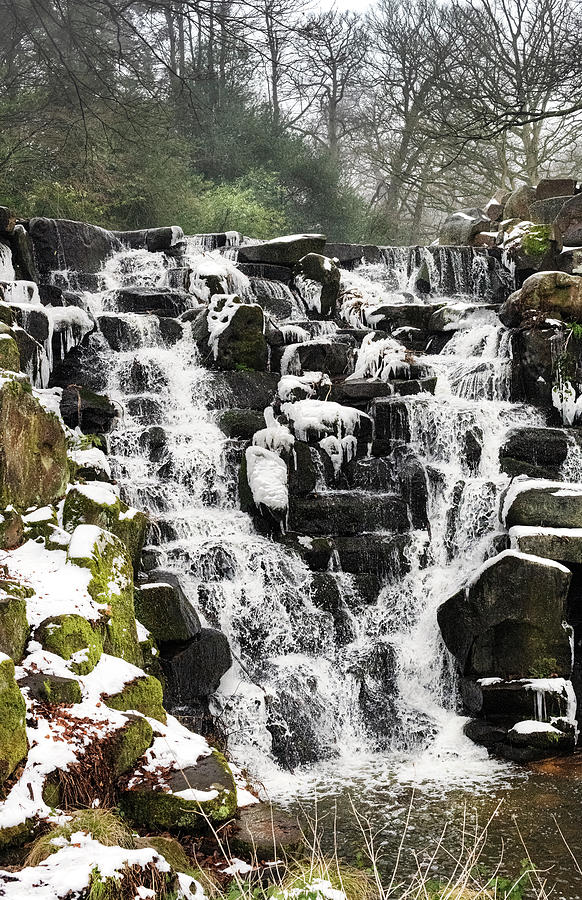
{"type": "Point", "coordinates": [82, 365]}
{"type": "Point", "coordinates": [153, 441]}
{"type": "Point", "coordinates": [315, 270]}
{"type": "Point", "coordinates": [193, 673]}
{"type": "Point", "coordinates": [345, 512]}
{"type": "Point", "coordinates": [378, 691]}
{"type": "Point", "coordinates": [506, 702]}
{"type": "Point", "coordinates": [484, 733]}
{"type": "Point", "coordinates": [64, 244]}
{"type": "Point", "coordinates": [296, 739]}
{"type": "Point", "coordinates": [473, 448]}
{"type": "Point", "coordinates": [282, 251]}
{"type": "Point", "coordinates": [413, 484]}
{"type": "Point", "coordinates": [316, 551]}
{"type": "Point", "coordinates": [383, 555]}
{"type": "Point", "coordinates": [392, 419]}
{"type": "Point", "coordinates": [330, 358]}
{"type": "Point", "coordinates": [304, 467]}
{"type": "Point", "coordinates": [162, 301]}
{"type": "Point", "coordinates": [508, 622]}
{"type": "Point", "coordinates": [534, 451]}
{"type": "Point", "coordinates": [327, 596]}
{"type": "Point", "coordinates": [405, 315]}
{"type": "Point", "coordinates": [152, 239]}
{"type": "Point", "coordinates": [92, 413]}
{"type": "Point", "coordinates": [371, 474]}
{"type": "Point", "coordinates": [145, 409]}
{"type": "Point", "coordinates": [265, 272]}
{"type": "Point", "coordinates": [350, 255]}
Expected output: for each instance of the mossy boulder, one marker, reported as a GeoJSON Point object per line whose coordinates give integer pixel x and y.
{"type": "Point", "coordinates": [166, 612]}
{"type": "Point", "coordinates": [144, 694]}
{"type": "Point", "coordinates": [9, 353]}
{"type": "Point", "coordinates": [172, 851]}
{"type": "Point", "coordinates": [508, 621]}
{"type": "Point", "coordinates": [52, 689]}
{"type": "Point", "coordinates": [555, 295]}
{"type": "Point", "coordinates": [73, 638]}
{"type": "Point", "coordinates": [97, 504]}
{"type": "Point", "coordinates": [528, 741]}
{"type": "Point", "coordinates": [241, 423]}
{"type": "Point", "coordinates": [151, 657]}
{"type": "Point", "coordinates": [111, 586]}
{"type": "Point", "coordinates": [241, 345]}
{"type": "Point", "coordinates": [529, 245]}
{"type": "Point", "coordinates": [14, 627]}
{"type": "Point", "coordinates": [40, 523]}
{"type": "Point", "coordinates": [13, 743]}
{"type": "Point", "coordinates": [11, 529]}
{"type": "Point", "coordinates": [317, 279]}
{"type": "Point", "coordinates": [34, 469]}
{"type": "Point", "coordinates": [196, 795]}
{"type": "Point", "coordinates": [129, 744]}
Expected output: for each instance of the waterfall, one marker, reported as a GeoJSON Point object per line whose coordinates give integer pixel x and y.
{"type": "Point", "coordinates": [312, 681]}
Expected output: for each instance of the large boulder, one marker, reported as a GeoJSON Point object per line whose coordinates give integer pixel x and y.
{"type": "Point", "coordinates": [561, 544]}
{"type": "Point", "coordinates": [507, 621]}
{"type": "Point", "coordinates": [530, 246]}
{"type": "Point", "coordinates": [543, 503]}
{"type": "Point", "coordinates": [82, 408]}
{"type": "Point", "coordinates": [163, 608]}
{"type": "Point", "coordinates": [544, 212]}
{"type": "Point", "coordinates": [534, 451]}
{"type": "Point", "coordinates": [152, 239]}
{"type": "Point", "coordinates": [98, 504]}
{"type": "Point", "coordinates": [518, 203]}
{"type": "Point", "coordinates": [34, 470]}
{"type": "Point", "coordinates": [555, 187]}
{"type": "Point", "coordinates": [544, 295]}
{"type": "Point", "coordinates": [460, 228]}
{"type": "Point", "coordinates": [317, 278]}
{"type": "Point", "coordinates": [74, 639]}
{"type": "Point", "coordinates": [283, 251]}
{"type": "Point", "coordinates": [193, 671]}
{"type": "Point", "coordinates": [234, 334]}
{"type": "Point", "coordinates": [14, 628]}
{"type": "Point", "coordinates": [63, 244]}
{"type": "Point", "coordinates": [568, 223]}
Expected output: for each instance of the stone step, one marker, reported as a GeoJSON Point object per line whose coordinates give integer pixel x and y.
{"type": "Point", "coordinates": [347, 513]}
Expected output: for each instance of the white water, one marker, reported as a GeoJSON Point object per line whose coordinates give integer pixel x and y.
{"type": "Point", "coordinates": [290, 674]}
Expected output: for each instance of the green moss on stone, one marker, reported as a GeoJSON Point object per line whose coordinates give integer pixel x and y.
{"type": "Point", "coordinates": [165, 810]}
{"type": "Point", "coordinates": [71, 636]}
{"type": "Point", "coordinates": [145, 694]}
{"type": "Point", "coordinates": [126, 523]}
{"type": "Point", "coordinates": [536, 241]}
{"type": "Point", "coordinates": [111, 586]}
{"type": "Point", "coordinates": [52, 689]}
{"type": "Point", "coordinates": [13, 743]}
{"type": "Point", "coordinates": [14, 628]}
{"type": "Point", "coordinates": [34, 469]}
{"type": "Point", "coordinates": [151, 659]}
{"type": "Point", "coordinates": [173, 853]}
{"type": "Point", "coordinates": [130, 744]}
{"type": "Point", "coordinates": [6, 314]}
{"type": "Point", "coordinates": [17, 835]}
{"type": "Point", "coordinates": [41, 527]}
{"type": "Point", "coordinates": [9, 353]}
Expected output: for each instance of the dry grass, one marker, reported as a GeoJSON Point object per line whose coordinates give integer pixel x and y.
{"type": "Point", "coordinates": [102, 824]}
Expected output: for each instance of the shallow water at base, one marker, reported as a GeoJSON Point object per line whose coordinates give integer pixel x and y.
{"type": "Point", "coordinates": [395, 795]}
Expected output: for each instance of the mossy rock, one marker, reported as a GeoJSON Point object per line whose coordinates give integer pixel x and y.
{"type": "Point", "coordinates": [52, 689]}
{"type": "Point", "coordinates": [17, 835]}
{"type": "Point", "coordinates": [40, 523]}
{"type": "Point", "coordinates": [11, 529]}
{"type": "Point", "coordinates": [34, 469]}
{"type": "Point", "coordinates": [130, 744]}
{"type": "Point", "coordinates": [158, 809]}
{"type": "Point", "coordinates": [14, 629]}
{"type": "Point", "coordinates": [13, 743]}
{"type": "Point", "coordinates": [242, 345]}
{"type": "Point", "coordinates": [57, 538]}
{"type": "Point", "coordinates": [165, 611]}
{"type": "Point", "coordinates": [151, 658]}
{"type": "Point", "coordinates": [145, 694]}
{"type": "Point", "coordinates": [6, 313]}
{"type": "Point", "coordinates": [172, 851]}
{"type": "Point", "coordinates": [73, 638]}
{"type": "Point", "coordinates": [9, 353]}
{"type": "Point", "coordinates": [92, 504]}
{"type": "Point", "coordinates": [241, 423]}
{"type": "Point", "coordinates": [111, 586]}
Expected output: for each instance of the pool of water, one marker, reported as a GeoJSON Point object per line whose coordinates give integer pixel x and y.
{"type": "Point", "coordinates": [533, 812]}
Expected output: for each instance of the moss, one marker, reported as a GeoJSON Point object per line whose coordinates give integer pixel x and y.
{"type": "Point", "coordinates": [41, 528]}
{"type": "Point", "coordinates": [34, 469]}
{"type": "Point", "coordinates": [151, 658]}
{"type": "Point", "coordinates": [69, 636]}
{"type": "Point", "coordinates": [9, 353]}
{"type": "Point", "coordinates": [131, 743]}
{"type": "Point", "coordinates": [544, 667]}
{"type": "Point", "coordinates": [13, 743]}
{"type": "Point", "coordinates": [243, 342]}
{"type": "Point", "coordinates": [144, 694]}
{"type": "Point", "coordinates": [14, 628]}
{"type": "Point", "coordinates": [17, 835]}
{"type": "Point", "coordinates": [126, 523]}
{"type": "Point", "coordinates": [159, 809]}
{"type": "Point", "coordinates": [53, 689]}
{"type": "Point", "coordinates": [111, 586]}
{"type": "Point", "coordinates": [6, 314]}
{"type": "Point", "coordinates": [536, 242]}
{"type": "Point", "coordinates": [241, 423]}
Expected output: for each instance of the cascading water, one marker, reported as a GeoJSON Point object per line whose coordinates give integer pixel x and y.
{"type": "Point", "coordinates": [298, 688]}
